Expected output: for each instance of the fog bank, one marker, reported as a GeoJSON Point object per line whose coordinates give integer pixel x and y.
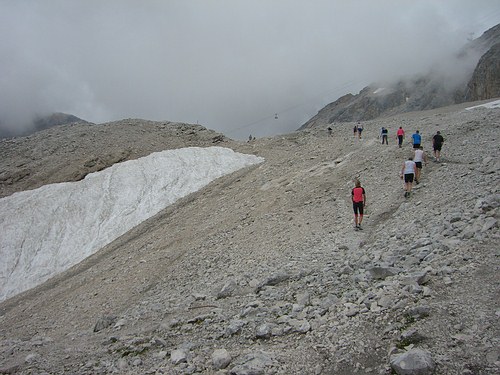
{"type": "Point", "coordinates": [228, 65]}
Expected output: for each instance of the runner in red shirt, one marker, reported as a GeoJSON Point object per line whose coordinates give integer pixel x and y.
{"type": "Point", "coordinates": [358, 204]}
{"type": "Point", "coordinates": [401, 134]}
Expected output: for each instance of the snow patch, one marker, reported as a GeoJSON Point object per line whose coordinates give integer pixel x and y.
{"type": "Point", "coordinates": [48, 230]}
{"type": "Point", "coordinates": [493, 104]}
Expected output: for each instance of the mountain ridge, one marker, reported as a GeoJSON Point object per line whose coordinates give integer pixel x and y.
{"type": "Point", "coordinates": [40, 123]}
{"type": "Point", "coordinates": [69, 152]}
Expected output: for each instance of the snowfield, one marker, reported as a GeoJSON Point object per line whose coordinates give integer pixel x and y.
{"type": "Point", "coordinates": [493, 104]}
{"type": "Point", "coordinates": [48, 230]}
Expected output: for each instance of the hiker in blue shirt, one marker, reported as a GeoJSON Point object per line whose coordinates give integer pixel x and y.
{"type": "Point", "coordinates": [416, 139]}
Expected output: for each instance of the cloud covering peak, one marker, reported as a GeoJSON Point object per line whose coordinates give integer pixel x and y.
{"type": "Point", "coordinates": [228, 65]}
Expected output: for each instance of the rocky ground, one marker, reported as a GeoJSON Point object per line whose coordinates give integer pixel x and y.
{"type": "Point", "coordinates": [262, 272]}
{"type": "Point", "coordinates": [70, 152]}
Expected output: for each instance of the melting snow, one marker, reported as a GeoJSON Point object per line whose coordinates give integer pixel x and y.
{"type": "Point", "coordinates": [493, 104]}
{"type": "Point", "coordinates": [48, 230]}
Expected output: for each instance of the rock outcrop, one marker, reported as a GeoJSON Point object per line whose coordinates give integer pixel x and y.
{"type": "Point", "coordinates": [485, 82]}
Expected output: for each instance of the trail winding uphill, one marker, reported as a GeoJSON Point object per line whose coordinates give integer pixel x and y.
{"type": "Point", "coordinates": [261, 272]}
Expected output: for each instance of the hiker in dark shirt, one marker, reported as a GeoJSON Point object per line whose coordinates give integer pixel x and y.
{"type": "Point", "coordinates": [437, 143]}
{"type": "Point", "coordinates": [360, 129]}
{"type": "Point", "coordinates": [383, 134]}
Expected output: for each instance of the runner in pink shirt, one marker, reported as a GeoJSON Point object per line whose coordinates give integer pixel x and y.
{"type": "Point", "coordinates": [358, 204]}
{"type": "Point", "coordinates": [401, 134]}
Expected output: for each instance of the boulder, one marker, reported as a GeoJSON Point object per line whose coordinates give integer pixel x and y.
{"type": "Point", "coordinates": [413, 362]}
{"type": "Point", "coordinates": [220, 359]}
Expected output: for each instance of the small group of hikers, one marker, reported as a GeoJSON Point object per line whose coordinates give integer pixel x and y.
{"type": "Point", "coordinates": [410, 172]}
{"type": "Point", "coordinates": [358, 129]}
{"type": "Point", "coordinates": [412, 168]}
{"type": "Point", "coordinates": [416, 140]}
{"type": "Point", "coordinates": [384, 135]}
{"type": "Point", "coordinates": [400, 135]}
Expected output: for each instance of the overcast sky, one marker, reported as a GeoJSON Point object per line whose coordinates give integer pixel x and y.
{"type": "Point", "coordinates": [229, 65]}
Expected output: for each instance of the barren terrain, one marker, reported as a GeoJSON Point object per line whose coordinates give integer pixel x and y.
{"type": "Point", "coordinates": [261, 272]}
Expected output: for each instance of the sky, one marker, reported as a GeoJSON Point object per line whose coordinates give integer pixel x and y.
{"type": "Point", "coordinates": [230, 65]}
{"type": "Point", "coordinates": [47, 230]}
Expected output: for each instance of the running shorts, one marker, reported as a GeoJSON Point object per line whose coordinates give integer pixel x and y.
{"type": "Point", "coordinates": [357, 207]}
{"type": "Point", "coordinates": [409, 177]}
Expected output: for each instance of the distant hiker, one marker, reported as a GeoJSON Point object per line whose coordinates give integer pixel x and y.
{"type": "Point", "coordinates": [437, 143]}
{"type": "Point", "coordinates": [401, 135]}
{"type": "Point", "coordinates": [355, 130]}
{"type": "Point", "coordinates": [416, 139]}
{"type": "Point", "coordinates": [360, 129]}
{"type": "Point", "coordinates": [358, 203]}
{"type": "Point", "coordinates": [250, 138]}
{"type": "Point", "coordinates": [330, 131]}
{"type": "Point", "coordinates": [408, 173]}
{"type": "Point", "coordinates": [419, 157]}
{"type": "Point", "coordinates": [383, 134]}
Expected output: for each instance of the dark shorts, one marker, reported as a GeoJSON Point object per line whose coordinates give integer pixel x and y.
{"type": "Point", "coordinates": [418, 164]}
{"type": "Point", "coordinates": [437, 147]}
{"type": "Point", "coordinates": [409, 177]}
{"type": "Point", "coordinates": [357, 207]}
{"type": "Point", "coordinates": [416, 145]}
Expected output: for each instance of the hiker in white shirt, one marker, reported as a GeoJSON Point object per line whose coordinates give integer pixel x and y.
{"type": "Point", "coordinates": [419, 157]}
{"type": "Point", "coordinates": [408, 173]}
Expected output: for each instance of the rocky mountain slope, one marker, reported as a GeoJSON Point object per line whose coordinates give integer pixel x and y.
{"type": "Point", "coordinates": [474, 74]}
{"type": "Point", "coordinates": [261, 272]}
{"type": "Point", "coordinates": [70, 152]}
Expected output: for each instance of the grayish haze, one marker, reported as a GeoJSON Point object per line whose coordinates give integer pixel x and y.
{"type": "Point", "coordinates": [229, 65]}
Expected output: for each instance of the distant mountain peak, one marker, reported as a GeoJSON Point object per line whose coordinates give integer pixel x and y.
{"type": "Point", "coordinates": [40, 123]}
{"type": "Point", "coordinates": [474, 74]}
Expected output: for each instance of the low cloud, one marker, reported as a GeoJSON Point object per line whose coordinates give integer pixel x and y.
{"type": "Point", "coordinates": [228, 65]}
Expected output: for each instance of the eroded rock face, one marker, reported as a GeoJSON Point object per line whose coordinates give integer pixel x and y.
{"type": "Point", "coordinates": [485, 82]}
